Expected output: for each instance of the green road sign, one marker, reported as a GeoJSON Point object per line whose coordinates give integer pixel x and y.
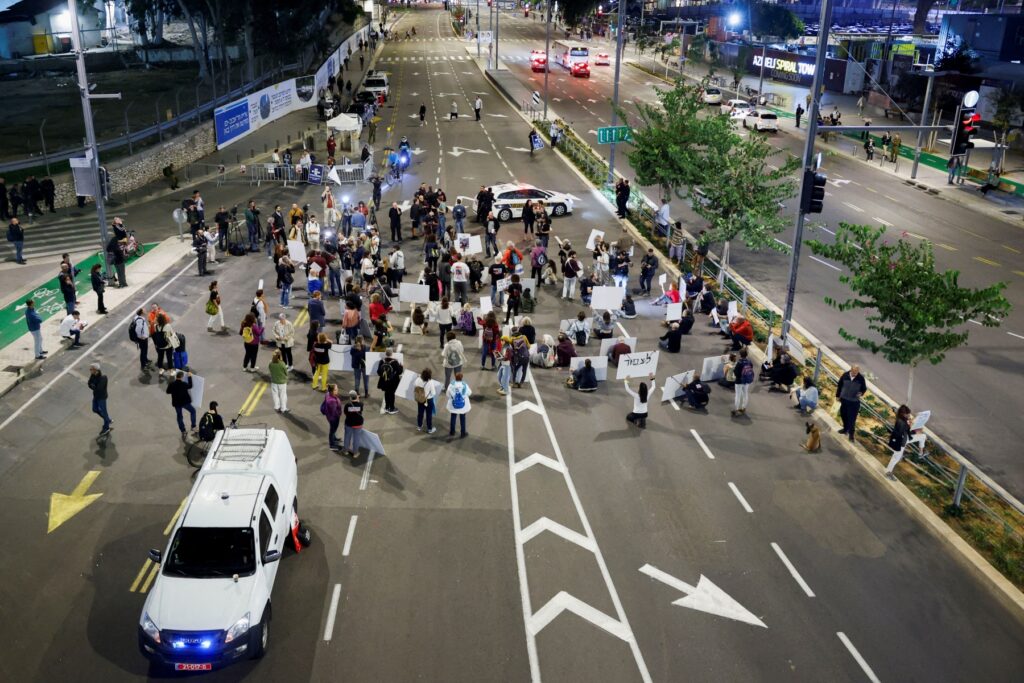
{"type": "Point", "coordinates": [610, 134]}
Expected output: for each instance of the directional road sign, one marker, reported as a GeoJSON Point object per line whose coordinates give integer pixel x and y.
{"type": "Point", "coordinates": [610, 134]}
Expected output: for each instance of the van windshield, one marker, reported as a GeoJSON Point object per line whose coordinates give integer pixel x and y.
{"type": "Point", "coordinates": [204, 553]}
{"type": "Point", "coordinates": [375, 83]}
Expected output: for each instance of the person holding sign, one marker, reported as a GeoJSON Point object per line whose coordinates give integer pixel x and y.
{"type": "Point", "coordinates": [638, 416]}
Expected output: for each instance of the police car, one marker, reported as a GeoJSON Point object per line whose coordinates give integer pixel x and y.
{"type": "Point", "coordinates": [510, 198]}
{"type": "Point", "coordinates": [211, 602]}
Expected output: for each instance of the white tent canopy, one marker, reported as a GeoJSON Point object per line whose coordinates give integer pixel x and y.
{"type": "Point", "coordinates": [345, 123]}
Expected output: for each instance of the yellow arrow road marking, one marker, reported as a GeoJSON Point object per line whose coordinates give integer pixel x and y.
{"type": "Point", "coordinates": [64, 507]}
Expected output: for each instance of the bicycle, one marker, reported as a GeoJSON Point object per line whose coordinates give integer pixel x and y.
{"type": "Point", "coordinates": [197, 449]}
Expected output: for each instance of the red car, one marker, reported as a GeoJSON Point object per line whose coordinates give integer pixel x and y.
{"type": "Point", "coordinates": [581, 69]}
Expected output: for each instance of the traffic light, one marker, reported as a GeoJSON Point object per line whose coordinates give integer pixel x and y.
{"type": "Point", "coordinates": [812, 196]}
{"type": "Point", "coordinates": [966, 126]}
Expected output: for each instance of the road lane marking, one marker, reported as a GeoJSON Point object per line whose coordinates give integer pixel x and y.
{"type": "Point", "coordinates": [856, 655]}
{"type": "Point", "coordinates": [1019, 272]}
{"type": "Point", "coordinates": [1009, 248]}
{"type": "Point", "coordinates": [988, 262]}
{"type": "Point", "coordinates": [138, 577]}
{"type": "Point", "coordinates": [255, 394]}
{"type": "Point", "coordinates": [882, 221]}
{"type": "Point", "coordinates": [332, 612]}
{"type": "Point", "coordinates": [854, 207]}
{"type": "Point", "coordinates": [349, 535]}
{"type": "Point", "coordinates": [177, 514]}
{"type": "Point", "coordinates": [824, 263]}
{"type": "Point", "coordinates": [943, 245]}
{"type": "Point", "coordinates": [366, 472]}
{"type": "Point", "coordinates": [891, 199]}
{"type": "Point", "coordinates": [149, 579]}
{"type": "Point", "coordinates": [792, 570]}
{"type": "Point", "coordinates": [92, 347]}
{"type": "Point", "coordinates": [1014, 334]}
{"type": "Point", "coordinates": [975, 322]}
{"type": "Point", "coordinates": [673, 403]}
{"type": "Point", "coordinates": [740, 498]}
{"type": "Point", "coordinates": [703, 446]}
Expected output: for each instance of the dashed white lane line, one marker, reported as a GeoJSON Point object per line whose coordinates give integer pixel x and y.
{"type": "Point", "coordinates": [332, 613]}
{"type": "Point", "coordinates": [348, 537]}
{"type": "Point", "coordinates": [825, 263]}
{"type": "Point", "coordinates": [1013, 334]}
{"type": "Point", "coordinates": [856, 655]}
{"type": "Point", "coordinates": [792, 570]}
{"type": "Point", "coordinates": [854, 207]}
{"type": "Point", "coordinates": [366, 472]}
{"type": "Point", "coordinates": [882, 221]}
{"type": "Point", "coordinates": [672, 402]}
{"type": "Point", "coordinates": [703, 446]}
{"type": "Point", "coordinates": [740, 498]}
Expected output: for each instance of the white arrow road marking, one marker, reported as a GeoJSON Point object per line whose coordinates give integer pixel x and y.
{"type": "Point", "coordinates": [544, 524]}
{"type": "Point", "coordinates": [404, 206]}
{"type": "Point", "coordinates": [526, 405]}
{"type": "Point", "coordinates": [564, 601]}
{"type": "Point", "coordinates": [592, 131]}
{"type": "Point", "coordinates": [537, 459]}
{"type": "Point", "coordinates": [414, 116]}
{"type": "Point", "coordinates": [591, 101]}
{"type": "Point", "coordinates": [556, 99]}
{"type": "Point", "coordinates": [839, 183]}
{"type": "Point", "coordinates": [498, 116]}
{"type": "Point", "coordinates": [459, 151]}
{"type": "Point", "coordinates": [415, 94]}
{"type": "Point", "coordinates": [704, 597]}
{"type": "Point", "coordinates": [417, 151]}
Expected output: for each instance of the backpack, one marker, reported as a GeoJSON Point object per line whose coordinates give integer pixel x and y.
{"type": "Point", "coordinates": [420, 394]}
{"type": "Point", "coordinates": [452, 358]}
{"type": "Point", "coordinates": [542, 259]}
{"type": "Point", "coordinates": [488, 334]}
{"type": "Point", "coordinates": [133, 334]}
{"type": "Point", "coordinates": [522, 349]}
{"type": "Point", "coordinates": [323, 406]}
{"type": "Point", "coordinates": [211, 307]}
{"type": "Point", "coordinates": [459, 398]}
{"type": "Point", "coordinates": [387, 372]}
{"type": "Point", "coordinates": [206, 428]}
{"type": "Point", "coordinates": [746, 372]}
{"type": "Point", "coordinates": [254, 310]}
{"type": "Point", "coordinates": [515, 259]}
{"type": "Point", "coordinates": [247, 335]}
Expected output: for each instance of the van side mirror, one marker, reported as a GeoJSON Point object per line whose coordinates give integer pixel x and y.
{"type": "Point", "coordinates": [155, 555]}
{"type": "Point", "coordinates": [271, 556]}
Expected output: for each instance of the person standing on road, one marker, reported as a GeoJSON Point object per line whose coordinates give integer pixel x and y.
{"type": "Point", "coordinates": [799, 114]}
{"type": "Point", "coordinates": [423, 113]}
{"type": "Point", "coordinates": [250, 342]}
{"type": "Point", "coordinates": [331, 409]}
{"type": "Point", "coordinates": [744, 373]}
{"type": "Point", "coordinates": [358, 353]}
{"type": "Point", "coordinates": [181, 400]}
{"type": "Point", "coordinates": [286, 276]}
{"type": "Point", "coordinates": [34, 321]}
{"type": "Point", "coordinates": [477, 106]}
{"type": "Point", "coordinates": [98, 285]}
{"type": "Point", "coordinates": [648, 267]}
{"type": "Point", "coordinates": [322, 360]}
{"type": "Point", "coordinates": [389, 373]}
{"type": "Point", "coordinates": [279, 382]}
{"type": "Point", "coordinates": [139, 333]}
{"type": "Point", "coordinates": [353, 411]}
{"type": "Point", "coordinates": [16, 236]}
{"type": "Point", "coordinates": [316, 311]}
{"type": "Point", "coordinates": [638, 416]}
{"type": "Point", "coordinates": [284, 337]}
{"type": "Point", "coordinates": [214, 309]}
{"type": "Point", "coordinates": [860, 106]}
{"type": "Point", "coordinates": [98, 385]}
{"type": "Point", "coordinates": [252, 224]}
{"type": "Point", "coordinates": [165, 341]}
{"type": "Point", "coordinates": [425, 391]}
{"type": "Point", "coordinates": [460, 280]}
{"type": "Point", "coordinates": [849, 390]}
{"type": "Point", "coordinates": [571, 272]}
{"type": "Point", "coordinates": [458, 393]}
{"type": "Point", "coordinates": [454, 113]}
{"type": "Point", "coordinates": [453, 357]}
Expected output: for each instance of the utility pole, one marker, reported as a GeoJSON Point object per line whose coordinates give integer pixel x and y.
{"type": "Point", "coordinates": [478, 29]}
{"type": "Point", "coordinates": [497, 30]}
{"type": "Point", "coordinates": [930, 75]}
{"type": "Point", "coordinates": [547, 55]}
{"type": "Point", "coordinates": [90, 132]}
{"type": "Point", "coordinates": [812, 131]}
{"type": "Point", "coordinates": [615, 95]}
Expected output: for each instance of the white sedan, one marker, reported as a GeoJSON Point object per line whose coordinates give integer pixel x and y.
{"type": "Point", "coordinates": [510, 198]}
{"type": "Point", "coordinates": [761, 119]}
{"type": "Point", "coordinates": [712, 96]}
{"type": "Point", "coordinates": [602, 59]}
{"type": "Point", "coordinates": [732, 105]}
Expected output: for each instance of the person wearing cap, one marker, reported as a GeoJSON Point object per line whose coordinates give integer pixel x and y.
{"type": "Point", "coordinates": [210, 423]}
{"type": "Point", "coordinates": [98, 385]}
{"type": "Point", "coordinates": [353, 411]}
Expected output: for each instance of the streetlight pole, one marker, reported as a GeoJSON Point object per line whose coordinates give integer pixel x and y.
{"type": "Point", "coordinates": [930, 75]}
{"type": "Point", "coordinates": [615, 95]}
{"type": "Point", "coordinates": [547, 55]}
{"type": "Point", "coordinates": [90, 132]}
{"type": "Point", "coordinates": [497, 31]}
{"type": "Point", "coordinates": [812, 132]}
{"type": "Point", "coordinates": [478, 29]}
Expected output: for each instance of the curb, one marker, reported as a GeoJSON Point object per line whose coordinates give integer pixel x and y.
{"type": "Point", "coordinates": [998, 583]}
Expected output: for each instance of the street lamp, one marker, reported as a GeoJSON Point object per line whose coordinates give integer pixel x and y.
{"type": "Point", "coordinates": [734, 19]}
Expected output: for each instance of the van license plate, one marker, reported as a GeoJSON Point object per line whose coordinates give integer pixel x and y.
{"type": "Point", "coordinates": [193, 667]}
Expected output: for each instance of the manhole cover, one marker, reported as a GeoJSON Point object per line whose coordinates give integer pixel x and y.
{"type": "Point", "coordinates": [13, 368]}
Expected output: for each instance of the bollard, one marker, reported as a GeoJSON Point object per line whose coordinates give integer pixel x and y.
{"type": "Point", "coordinates": [289, 138]}
{"type": "Point", "coordinates": [252, 153]}
{"type": "Point", "coordinates": [238, 158]}
{"type": "Point", "coordinates": [961, 480]}
{"type": "Point", "coordinates": [817, 367]}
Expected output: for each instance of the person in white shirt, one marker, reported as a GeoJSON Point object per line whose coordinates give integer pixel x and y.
{"type": "Point", "coordinates": [455, 111]}
{"type": "Point", "coordinates": [460, 281]}
{"type": "Point", "coordinates": [367, 269]}
{"type": "Point", "coordinates": [71, 328]}
{"type": "Point", "coordinates": [458, 404]}
{"type": "Point", "coordinates": [477, 106]}
{"type": "Point", "coordinates": [313, 232]}
{"type": "Point", "coordinates": [431, 388]}
{"type": "Point", "coordinates": [211, 244]}
{"type": "Point", "coordinates": [397, 270]}
{"type": "Point", "coordinates": [640, 403]}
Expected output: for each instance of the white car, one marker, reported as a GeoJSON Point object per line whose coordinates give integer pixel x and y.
{"type": "Point", "coordinates": [509, 199]}
{"type": "Point", "coordinates": [732, 105]}
{"type": "Point", "coordinates": [712, 96]}
{"type": "Point", "coordinates": [210, 604]}
{"type": "Point", "coordinates": [602, 59]}
{"type": "Point", "coordinates": [761, 119]}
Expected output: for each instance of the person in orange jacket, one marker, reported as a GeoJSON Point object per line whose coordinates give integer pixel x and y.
{"type": "Point", "coordinates": [512, 258]}
{"type": "Point", "coordinates": [741, 332]}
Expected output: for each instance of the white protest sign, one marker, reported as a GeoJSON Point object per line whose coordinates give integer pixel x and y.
{"type": "Point", "coordinates": [794, 349]}
{"type": "Point", "coordinates": [734, 311]}
{"type": "Point", "coordinates": [296, 251]}
{"type": "Point", "coordinates": [407, 386]}
{"type": "Point", "coordinates": [607, 298]}
{"type": "Point", "coordinates": [413, 293]}
{"type": "Point", "coordinates": [196, 392]}
{"type": "Point", "coordinates": [920, 420]}
{"type": "Point", "coordinates": [592, 240]}
{"type": "Point", "coordinates": [503, 284]}
{"type": "Point", "coordinates": [663, 280]}
{"type": "Point", "coordinates": [529, 283]}
{"type": "Point", "coordinates": [467, 244]}
{"type": "Point", "coordinates": [599, 363]}
{"type": "Point", "coordinates": [713, 368]}
{"type": "Point", "coordinates": [674, 311]}
{"type": "Point", "coordinates": [367, 440]}
{"type": "Point", "coordinates": [607, 344]}
{"type": "Point", "coordinates": [674, 384]}
{"type": "Point", "coordinates": [485, 305]}
{"type": "Point", "coordinates": [637, 364]}
{"type": "Point", "coordinates": [340, 357]}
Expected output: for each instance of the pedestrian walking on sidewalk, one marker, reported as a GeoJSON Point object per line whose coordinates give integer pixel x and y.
{"type": "Point", "coordinates": [35, 322]}
{"type": "Point", "coordinates": [799, 114]}
{"type": "Point", "coordinates": [98, 285]}
{"type": "Point", "coordinates": [953, 169]}
{"type": "Point", "coordinates": [98, 385]}
{"type": "Point", "coordinates": [744, 373]}
{"type": "Point", "coordinates": [16, 236]}
{"type": "Point", "coordinates": [181, 400]}
{"type": "Point", "coordinates": [850, 388]}
{"type": "Point", "coordinates": [279, 382]}
{"type": "Point", "coordinates": [458, 393]}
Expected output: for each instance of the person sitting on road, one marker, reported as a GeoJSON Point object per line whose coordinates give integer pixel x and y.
{"type": "Point", "coordinates": [696, 393]}
{"type": "Point", "coordinates": [671, 341]}
{"type": "Point", "coordinates": [564, 351]}
{"type": "Point", "coordinates": [806, 397]}
{"type": "Point", "coordinates": [578, 330]}
{"type": "Point", "coordinates": [628, 310]}
{"type": "Point", "coordinates": [686, 322]}
{"type": "Point", "coordinates": [584, 378]}
{"type": "Point", "coordinates": [728, 379]}
{"type": "Point", "coordinates": [542, 355]}
{"type": "Point", "coordinates": [604, 325]}
{"type": "Point", "coordinates": [671, 296]}
{"type": "Point", "coordinates": [783, 375]}
{"type": "Point", "coordinates": [620, 348]}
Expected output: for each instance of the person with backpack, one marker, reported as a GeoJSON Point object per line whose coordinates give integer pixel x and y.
{"type": "Point", "coordinates": [459, 214]}
{"type": "Point", "coordinates": [744, 373]}
{"type": "Point", "coordinates": [571, 272]}
{"type": "Point", "coordinates": [165, 341]}
{"type": "Point", "coordinates": [178, 389]}
{"type": "Point", "coordinates": [279, 382]}
{"type": "Point", "coordinates": [514, 298]}
{"type": "Point", "coordinates": [520, 360]}
{"type": "Point", "coordinates": [210, 423]}
{"type": "Point", "coordinates": [638, 416]}
{"type": "Point", "coordinates": [490, 336]}
{"type": "Point", "coordinates": [358, 354]}
{"type": "Point", "coordinates": [353, 412]}
{"type": "Point", "coordinates": [425, 391]}
{"type": "Point", "coordinates": [331, 409]}
{"type": "Point", "coordinates": [453, 357]}
{"type": "Point", "coordinates": [458, 393]}
{"type": "Point", "coordinates": [538, 259]}
{"type": "Point", "coordinates": [322, 359]}
{"type": "Point", "coordinates": [214, 309]}
{"type": "Point", "coordinates": [389, 374]}
{"type": "Point", "coordinates": [138, 333]}
{"type": "Point", "coordinates": [578, 330]}
{"type": "Point", "coordinates": [512, 258]}
{"type": "Point", "coordinates": [250, 342]}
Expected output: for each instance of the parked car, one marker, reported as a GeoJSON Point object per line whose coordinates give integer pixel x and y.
{"type": "Point", "coordinates": [761, 119]}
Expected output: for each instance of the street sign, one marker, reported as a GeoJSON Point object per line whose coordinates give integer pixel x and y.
{"type": "Point", "coordinates": [536, 97]}
{"type": "Point", "coordinates": [316, 174]}
{"type": "Point", "coordinates": [484, 37]}
{"type": "Point", "coordinates": [611, 134]}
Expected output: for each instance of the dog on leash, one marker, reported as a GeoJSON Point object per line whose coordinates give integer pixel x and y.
{"type": "Point", "coordinates": [813, 442]}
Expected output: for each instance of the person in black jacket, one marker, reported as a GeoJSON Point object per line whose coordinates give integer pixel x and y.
{"type": "Point", "coordinates": [671, 341]}
{"type": "Point", "coordinates": [850, 388]}
{"type": "Point", "coordinates": [98, 384]}
{"type": "Point", "coordinates": [783, 375]}
{"type": "Point", "coordinates": [116, 259]}
{"type": "Point", "coordinates": [182, 400]}
{"type": "Point", "coordinates": [898, 438]}
{"type": "Point", "coordinates": [67, 290]}
{"type": "Point", "coordinates": [98, 285]}
{"type": "Point", "coordinates": [395, 216]}
{"type": "Point", "coordinates": [390, 375]}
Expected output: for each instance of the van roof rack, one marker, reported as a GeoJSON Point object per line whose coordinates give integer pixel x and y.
{"type": "Point", "coordinates": [241, 445]}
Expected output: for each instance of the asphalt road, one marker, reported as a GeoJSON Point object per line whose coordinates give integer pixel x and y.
{"type": "Point", "coordinates": [973, 401]}
{"type": "Point", "coordinates": [473, 560]}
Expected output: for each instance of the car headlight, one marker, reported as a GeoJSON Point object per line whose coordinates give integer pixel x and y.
{"type": "Point", "coordinates": [150, 628]}
{"type": "Point", "coordinates": [238, 629]}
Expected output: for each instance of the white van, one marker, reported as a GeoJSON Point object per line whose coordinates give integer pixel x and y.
{"type": "Point", "coordinates": [210, 604]}
{"type": "Point", "coordinates": [377, 83]}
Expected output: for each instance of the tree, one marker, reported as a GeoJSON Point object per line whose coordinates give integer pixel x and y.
{"type": "Point", "coordinates": [741, 196]}
{"type": "Point", "coordinates": [957, 56]}
{"type": "Point", "coordinates": [921, 15]}
{"type": "Point", "coordinates": [1008, 106]}
{"type": "Point", "coordinates": [775, 20]}
{"type": "Point", "coordinates": [574, 10]}
{"type": "Point", "coordinates": [738, 69]}
{"type": "Point", "coordinates": [916, 312]}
